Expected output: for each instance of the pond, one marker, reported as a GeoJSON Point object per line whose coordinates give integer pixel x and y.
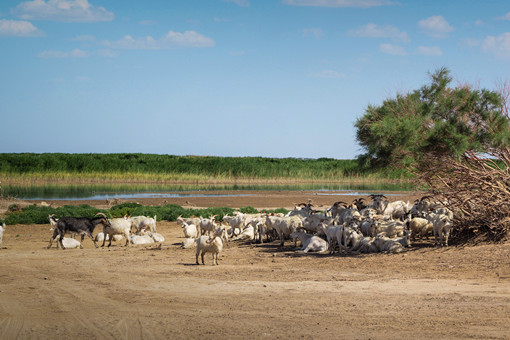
{"type": "Point", "coordinates": [128, 191]}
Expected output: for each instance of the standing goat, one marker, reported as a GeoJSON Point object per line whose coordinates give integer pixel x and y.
{"type": "Point", "coordinates": [78, 225]}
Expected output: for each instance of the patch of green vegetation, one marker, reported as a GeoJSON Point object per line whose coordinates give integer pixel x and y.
{"type": "Point", "coordinates": [33, 214]}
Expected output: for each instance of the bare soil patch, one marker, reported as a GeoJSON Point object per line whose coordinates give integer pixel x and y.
{"type": "Point", "coordinates": [257, 291]}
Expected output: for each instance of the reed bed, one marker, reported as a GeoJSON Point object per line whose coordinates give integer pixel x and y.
{"type": "Point", "coordinates": [145, 168]}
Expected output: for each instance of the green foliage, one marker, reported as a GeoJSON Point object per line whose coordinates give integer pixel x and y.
{"type": "Point", "coordinates": [435, 119]}
{"type": "Point", "coordinates": [217, 167]}
{"type": "Point", "coordinates": [33, 214]}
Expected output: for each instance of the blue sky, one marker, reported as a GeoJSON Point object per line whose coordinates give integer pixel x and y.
{"type": "Point", "coordinates": [271, 78]}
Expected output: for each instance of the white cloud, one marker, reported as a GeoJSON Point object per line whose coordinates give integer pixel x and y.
{"type": "Point", "coordinates": [62, 10]}
{"type": "Point", "coordinates": [433, 51]}
{"type": "Point", "coordinates": [313, 32]}
{"type": "Point", "coordinates": [498, 46]}
{"type": "Point", "coordinates": [469, 42]}
{"type": "Point", "coordinates": [148, 22]}
{"type": "Point", "coordinates": [170, 41]}
{"type": "Point", "coordinates": [15, 28]}
{"type": "Point", "coordinates": [242, 3]}
{"type": "Point", "coordinates": [392, 49]}
{"type": "Point", "coordinates": [331, 74]}
{"type": "Point", "coordinates": [340, 3]}
{"type": "Point", "coordinates": [237, 53]}
{"type": "Point", "coordinates": [505, 17]}
{"type": "Point", "coordinates": [376, 31]}
{"type": "Point", "coordinates": [435, 26]}
{"type": "Point", "coordinates": [106, 53]}
{"type": "Point", "coordinates": [76, 53]}
{"type": "Point", "coordinates": [84, 38]}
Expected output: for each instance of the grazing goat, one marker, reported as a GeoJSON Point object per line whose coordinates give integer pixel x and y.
{"type": "Point", "coordinates": [210, 244]}
{"type": "Point", "coordinates": [118, 226]}
{"type": "Point", "coordinates": [310, 242]}
{"type": "Point", "coordinates": [78, 225]}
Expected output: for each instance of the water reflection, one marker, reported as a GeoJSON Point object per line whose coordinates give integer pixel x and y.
{"type": "Point", "coordinates": [96, 191]}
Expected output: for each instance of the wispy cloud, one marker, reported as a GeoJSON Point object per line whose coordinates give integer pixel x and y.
{"type": "Point", "coordinates": [377, 31]}
{"type": "Point", "coordinates": [499, 46]}
{"type": "Point", "coordinates": [392, 49]}
{"type": "Point", "coordinates": [242, 3]}
{"type": "Point", "coordinates": [330, 74]}
{"type": "Point", "coordinates": [339, 3]}
{"type": "Point", "coordinates": [62, 10]}
{"type": "Point", "coordinates": [170, 41]}
{"type": "Point", "coordinates": [432, 51]}
{"type": "Point", "coordinates": [76, 53]}
{"type": "Point", "coordinates": [313, 32]}
{"type": "Point", "coordinates": [436, 26]}
{"type": "Point", "coordinates": [84, 38]}
{"type": "Point", "coordinates": [505, 17]}
{"type": "Point", "coordinates": [148, 22]}
{"type": "Point", "coordinates": [15, 28]}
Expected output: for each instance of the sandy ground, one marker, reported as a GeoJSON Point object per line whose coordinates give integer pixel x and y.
{"type": "Point", "coordinates": [257, 291]}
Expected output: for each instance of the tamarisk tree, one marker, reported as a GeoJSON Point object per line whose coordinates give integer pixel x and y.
{"type": "Point", "coordinates": [436, 119]}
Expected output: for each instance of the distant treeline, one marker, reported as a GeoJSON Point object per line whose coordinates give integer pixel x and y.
{"type": "Point", "coordinates": [197, 166]}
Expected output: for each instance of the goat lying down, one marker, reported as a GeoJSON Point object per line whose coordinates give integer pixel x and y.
{"type": "Point", "coordinates": [310, 242]}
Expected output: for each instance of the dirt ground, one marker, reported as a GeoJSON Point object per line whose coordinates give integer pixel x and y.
{"type": "Point", "coordinates": [257, 291]}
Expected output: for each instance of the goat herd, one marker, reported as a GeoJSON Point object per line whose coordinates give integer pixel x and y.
{"type": "Point", "coordinates": [381, 226]}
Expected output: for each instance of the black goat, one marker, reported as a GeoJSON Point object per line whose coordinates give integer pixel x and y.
{"type": "Point", "coordinates": [77, 225]}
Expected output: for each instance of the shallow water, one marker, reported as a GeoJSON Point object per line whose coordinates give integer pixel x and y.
{"type": "Point", "coordinates": [128, 191]}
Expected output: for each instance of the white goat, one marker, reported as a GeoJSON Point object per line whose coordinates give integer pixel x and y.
{"type": "Point", "coordinates": [143, 222]}
{"type": "Point", "coordinates": [420, 226]}
{"type": "Point", "coordinates": [248, 233]}
{"type": "Point", "coordinates": [210, 244]}
{"type": "Point", "coordinates": [441, 227]}
{"type": "Point", "coordinates": [190, 230]}
{"type": "Point", "coordinates": [70, 243]}
{"type": "Point", "coordinates": [118, 226]}
{"type": "Point", "coordinates": [310, 242]}
{"type": "Point", "coordinates": [392, 245]}
{"type": "Point", "coordinates": [330, 231]}
{"type": "Point", "coordinates": [100, 237]}
{"type": "Point", "coordinates": [190, 220]}
{"type": "Point", "coordinates": [157, 237]}
{"type": "Point", "coordinates": [207, 224]}
{"type": "Point", "coordinates": [2, 229]}
{"type": "Point", "coordinates": [396, 209]}
{"type": "Point", "coordinates": [189, 243]}
{"type": "Point", "coordinates": [391, 229]}
{"type": "Point", "coordinates": [284, 226]}
{"type": "Point", "coordinates": [141, 239]}
{"type": "Point", "coordinates": [237, 222]}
